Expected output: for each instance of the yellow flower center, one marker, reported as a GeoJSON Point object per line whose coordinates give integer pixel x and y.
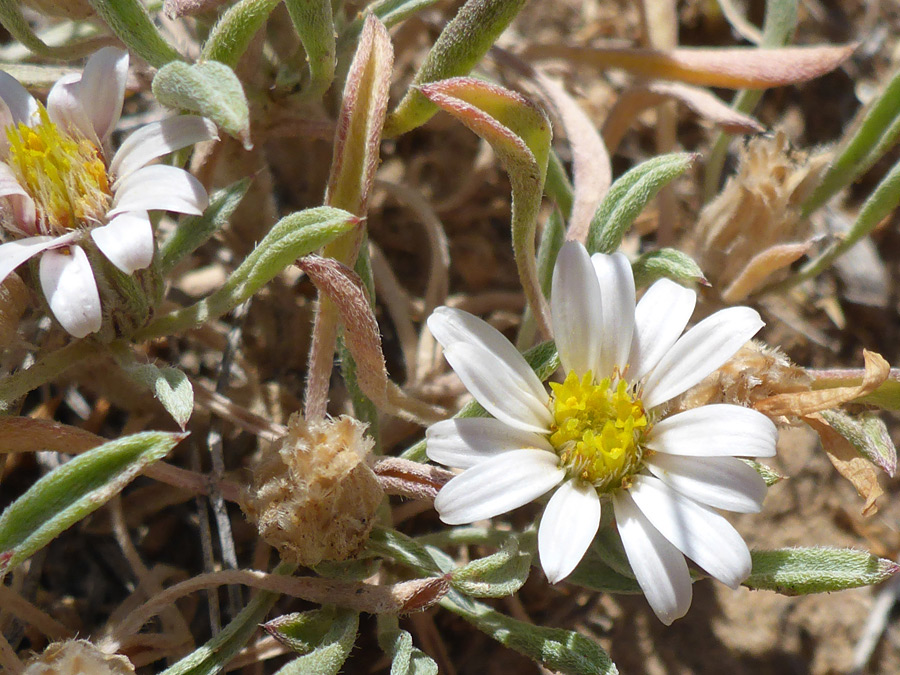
{"type": "Point", "coordinates": [64, 174]}
{"type": "Point", "coordinates": [597, 429]}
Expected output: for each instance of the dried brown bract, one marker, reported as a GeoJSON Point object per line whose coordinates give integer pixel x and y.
{"type": "Point", "coordinates": [78, 657]}
{"type": "Point", "coordinates": [313, 497]}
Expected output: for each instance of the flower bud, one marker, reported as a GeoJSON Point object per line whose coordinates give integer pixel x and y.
{"type": "Point", "coordinates": [78, 657]}
{"type": "Point", "coordinates": [313, 496]}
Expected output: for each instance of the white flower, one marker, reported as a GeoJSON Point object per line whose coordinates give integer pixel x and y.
{"type": "Point", "coordinates": [603, 435]}
{"type": "Point", "coordinates": [60, 185]}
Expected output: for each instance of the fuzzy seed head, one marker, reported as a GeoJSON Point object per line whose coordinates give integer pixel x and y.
{"type": "Point", "coordinates": [78, 657]}
{"type": "Point", "coordinates": [313, 496]}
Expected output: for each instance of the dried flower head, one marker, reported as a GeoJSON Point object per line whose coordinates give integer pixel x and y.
{"type": "Point", "coordinates": [78, 657]}
{"type": "Point", "coordinates": [754, 228]}
{"type": "Point", "coordinates": [313, 496]}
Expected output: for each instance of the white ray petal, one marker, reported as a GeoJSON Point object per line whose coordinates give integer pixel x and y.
{"type": "Point", "coordinates": [64, 105]}
{"type": "Point", "coordinates": [498, 485]}
{"type": "Point", "coordinates": [503, 389]}
{"type": "Point", "coordinates": [160, 188]}
{"type": "Point", "coordinates": [68, 283]}
{"type": "Point", "coordinates": [21, 202]}
{"type": "Point", "coordinates": [721, 482]}
{"type": "Point", "coordinates": [659, 320]}
{"type": "Point", "coordinates": [575, 309]}
{"type": "Point", "coordinates": [658, 566]}
{"type": "Point", "coordinates": [465, 442]}
{"type": "Point", "coordinates": [127, 241]}
{"type": "Point", "coordinates": [617, 308]}
{"type": "Point", "coordinates": [699, 352]}
{"type": "Point", "coordinates": [697, 531]}
{"type": "Point", "coordinates": [21, 104]}
{"type": "Point", "coordinates": [158, 139]}
{"type": "Point", "coordinates": [568, 527]}
{"type": "Point", "coordinates": [14, 253]}
{"type": "Point", "coordinates": [718, 430]}
{"type": "Point", "coordinates": [101, 90]}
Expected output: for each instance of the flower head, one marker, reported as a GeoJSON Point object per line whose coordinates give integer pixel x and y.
{"type": "Point", "coordinates": [602, 436]}
{"type": "Point", "coordinates": [63, 189]}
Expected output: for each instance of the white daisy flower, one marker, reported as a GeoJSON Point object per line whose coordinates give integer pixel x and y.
{"type": "Point", "coordinates": [61, 184]}
{"type": "Point", "coordinates": [603, 435]}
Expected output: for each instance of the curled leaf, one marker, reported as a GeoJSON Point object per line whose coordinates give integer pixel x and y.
{"type": "Point", "coordinates": [761, 267]}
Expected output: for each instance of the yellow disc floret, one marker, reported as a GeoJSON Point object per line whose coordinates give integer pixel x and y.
{"type": "Point", "coordinates": [597, 429]}
{"type": "Point", "coordinates": [64, 174]}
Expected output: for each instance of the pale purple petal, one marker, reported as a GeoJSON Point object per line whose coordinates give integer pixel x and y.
{"type": "Point", "coordinates": [498, 485]}
{"type": "Point", "coordinates": [465, 442]}
{"type": "Point", "coordinates": [567, 528]}
{"type": "Point", "coordinates": [127, 241]}
{"type": "Point", "coordinates": [575, 310]}
{"type": "Point", "coordinates": [22, 106]}
{"type": "Point", "coordinates": [697, 531]}
{"type": "Point", "coordinates": [500, 387]}
{"type": "Point", "coordinates": [659, 320]}
{"type": "Point", "coordinates": [101, 90]}
{"type": "Point", "coordinates": [68, 283]}
{"type": "Point", "coordinates": [718, 430]}
{"type": "Point", "coordinates": [160, 188]}
{"type": "Point", "coordinates": [658, 566]}
{"type": "Point", "coordinates": [65, 107]}
{"type": "Point", "coordinates": [14, 253]}
{"type": "Point", "coordinates": [699, 352]}
{"type": "Point", "coordinates": [721, 482]}
{"type": "Point", "coordinates": [21, 202]}
{"type": "Point", "coordinates": [158, 139]}
{"type": "Point", "coordinates": [617, 307]}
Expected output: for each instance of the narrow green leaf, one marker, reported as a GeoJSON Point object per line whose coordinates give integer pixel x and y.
{"type": "Point", "coordinates": [193, 231]}
{"type": "Point", "coordinates": [557, 649]}
{"type": "Point", "coordinates": [629, 195]}
{"type": "Point", "coordinates": [75, 490]}
{"type": "Point", "coordinates": [230, 37]}
{"type": "Point", "coordinates": [292, 237]}
{"type": "Point", "coordinates": [460, 46]}
{"type": "Point", "coordinates": [302, 631]}
{"type": "Point", "coordinates": [669, 263]}
{"type": "Point", "coordinates": [770, 475]}
{"type": "Point", "coordinates": [405, 658]}
{"type": "Point", "coordinates": [868, 434]}
{"type": "Point", "coordinates": [210, 89]}
{"type": "Point", "coordinates": [211, 658]}
{"type": "Point", "coordinates": [543, 359]}
{"type": "Point", "coordinates": [596, 575]}
{"type": "Point", "coordinates": [801, 571]}
{"type": "Point", "coordinates": [314, 24]}
{"type": "Point", "coordinates": [170, 386]}
{"type": "Point", "coordinates": [500, 574]}
{"type": "Point", "coordinates": [129, 20]}
{"type": "Point", "coordinates": [328, 657]}
{"type": "Point", "coordinates": [401, 548]}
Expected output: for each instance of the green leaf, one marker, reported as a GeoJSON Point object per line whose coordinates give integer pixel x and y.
{"type": "Point", "coordinates": [210, 89]}
{"type": "Point", "coordinates": [211, 658]}
{"type": "Point", "coordinates": [557, 649]}
{"type": "Point", "coordinates": [460, 46]}
{"type": "Point", "coordinates": [519, 132]}
{"type": "Point", "coordinates": [403, 549]}
{"type": "Point", "coordinates": [230, 37]}
{"type": "Point", "coordinates": [669, 263]}
{"type": "Point", "coordinates": [544, 361]}
{"type": "Point", "coordinates": [801, 571]}
{"type": "Point", "coordinates": [314, 24]}
{"type": "Point", "coordinates": [500, 574]}
{"type": "Point", "coordinates": [629, 195]}
{"type": "Point", "coordinates": [770, 475]}
{"type": "Point", "coordinates": [170, 386]}
{"type": "Point", "coordinates": [596, 575]}
{"type": "Point", "coordinates": [75, 490]}
{"type": "Point", "coordinates": [129, 20]}
{"type": "Point", "coordinates": [292, 237]}
{"type": "Point", "coordinates": [405, 658]}
{"type": "Point", "coordinates": [328, 656]}
{"type": "Point", "coordinates": [868, 434]}
{"type": "Point", "coordinates": [302, 631]}
{"type": "Point", "coordinates": [193, 231]}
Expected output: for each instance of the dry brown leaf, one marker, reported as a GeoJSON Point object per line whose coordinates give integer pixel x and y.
{"type": "Point", "coordinates": [761, 267]}
{"type": "Point", "coordinates": [859, 471]}
{"type": "Point", "coordinates": [730, 67]}
{"type": "Point", "coordinates": [804, 403]}
{"type": "Point", "coordinates": [705, 104]}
